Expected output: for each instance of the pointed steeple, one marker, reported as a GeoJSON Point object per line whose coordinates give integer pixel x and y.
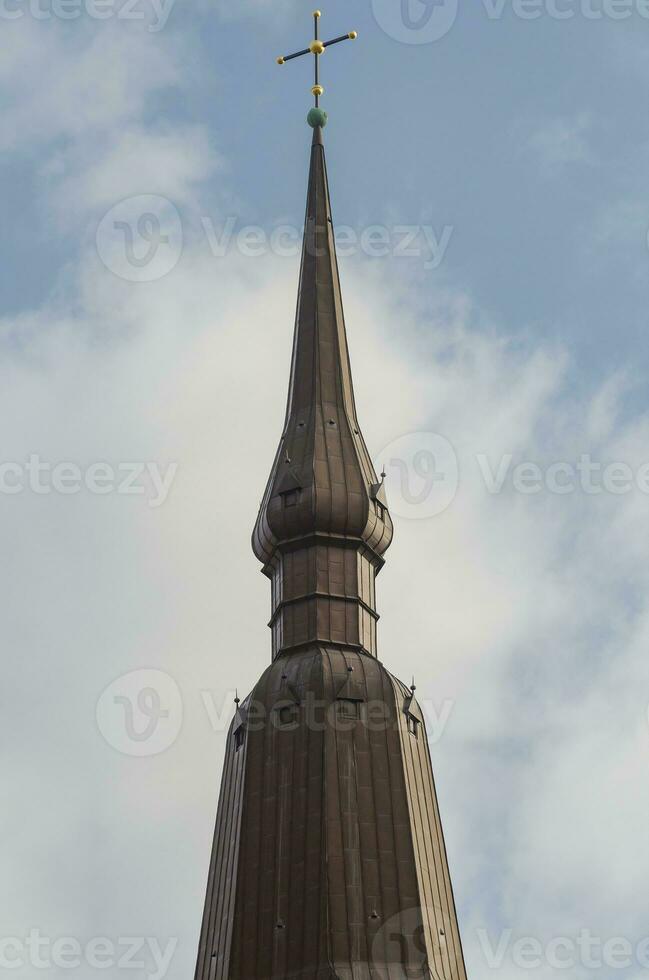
{"type": "Point", "coordinates": [323, 524]}
{"type": "Point", "coordinates": [328, 860]}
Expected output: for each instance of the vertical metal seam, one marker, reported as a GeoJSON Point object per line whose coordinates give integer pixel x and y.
{"type": "Point", "coordinates": [373, 785]}
{"type": "Point", "coordinates": [448, 884]}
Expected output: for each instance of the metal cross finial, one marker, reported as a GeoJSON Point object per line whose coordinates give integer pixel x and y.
{"type": "Point", "coordinates": [317, 48]}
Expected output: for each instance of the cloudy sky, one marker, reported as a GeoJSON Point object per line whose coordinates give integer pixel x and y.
{"type": "Point", "coordinates": [488, 169]}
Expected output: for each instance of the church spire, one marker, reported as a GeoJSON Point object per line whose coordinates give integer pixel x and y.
{"type": "Point", "coordinates": [328, 860]}
{"type": "Point", "coordinates": [323, 525]}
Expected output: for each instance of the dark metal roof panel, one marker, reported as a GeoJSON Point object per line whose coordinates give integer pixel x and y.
{"type": "Point", "coordinates": [435, 889]}
{"type": "Point", "coordinates": [334, 831]}
{"type": "Point", "coordinates": [218, 917]}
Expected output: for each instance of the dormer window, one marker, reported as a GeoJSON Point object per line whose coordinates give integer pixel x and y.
{"type": "Point", "coordinates": [348, 709]}
{"type": "Point", "coordinates": [413, 725]}
{"type": "Point", "coordinates": [291, 498]}
{"type": "Point", "coordinates": [288, 715]}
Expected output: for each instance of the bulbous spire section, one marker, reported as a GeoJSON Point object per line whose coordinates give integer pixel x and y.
{"type": "Point", "coordinates": [323, 524]}
{"type": "Point", "coordinates": [322, 480]}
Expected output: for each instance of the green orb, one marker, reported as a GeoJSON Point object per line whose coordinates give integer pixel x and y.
{"type": "Point", "coordinates": [317, 117]}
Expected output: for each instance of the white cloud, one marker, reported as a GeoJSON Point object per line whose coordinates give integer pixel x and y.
{"type": "Point", "coordinates": [88, 81]}
{"type": "Point", "coordinates": [559, 143]}
{"type": "Point", "coordinates": [168, 162]}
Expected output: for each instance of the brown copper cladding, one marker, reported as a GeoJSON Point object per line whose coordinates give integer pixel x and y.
{"type": "Point", "coordinates": [328, 858]}
{"type": "Point", "coordinates": [323, 524]}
